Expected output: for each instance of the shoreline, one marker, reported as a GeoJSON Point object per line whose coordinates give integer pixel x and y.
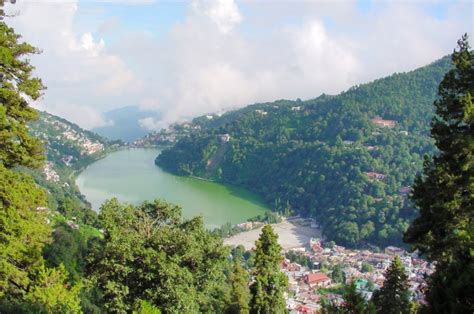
{"type": "Point", "coordinates": [290, 235]}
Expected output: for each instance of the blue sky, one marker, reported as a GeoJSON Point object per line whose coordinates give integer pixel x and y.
{"type": "Point", "coordinates": [194, 57]}
{"type": "Point", "coordinates": [156, 18]}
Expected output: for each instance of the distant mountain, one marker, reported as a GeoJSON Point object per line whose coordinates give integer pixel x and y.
{"type": "Point", "coordinates": [347, 160]}
{"type": "Point", "coordinates": [126, 125]}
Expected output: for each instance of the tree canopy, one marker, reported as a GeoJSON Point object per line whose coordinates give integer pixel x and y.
{"type": "Point", "coordinates": [444, 194]}
{"type": "Point", "coordinates": [150, 253]}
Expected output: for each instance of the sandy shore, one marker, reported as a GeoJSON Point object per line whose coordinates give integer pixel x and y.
{"type": "Point", "coordinates": [290, 235]}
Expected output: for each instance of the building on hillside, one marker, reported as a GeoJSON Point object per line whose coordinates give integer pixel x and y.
{"type": "Point", "coordinates": [393, 250]}
{"type": "Point", "coordinates": [261, 112]}
{"type": "Point", "coordinates": [317, 280]}
{"type": "Point", "coordinates": [375, 175]}
{"type": "Point", "coordinates": [224, 138]}
{"type": "Point", "coordinates": [404, 190]}
{"type": "Point", "coordinates": [306, 309]}
{"type": "Point", "coordinates": [67, 160]}
{"type": "Point", "coordinates": [378, 121]}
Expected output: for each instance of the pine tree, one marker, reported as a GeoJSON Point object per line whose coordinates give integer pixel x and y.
{"type": "Point", "coordinates": [17, 86]}
{"type": "Point", "coordinates": [444, 230]}
{"type": "Point", "coordinates": [240, 294]}
{"type": "Point", "coordinates": [354, 302]}
{"type": "Point", "coordinates": [269, 283]}
{"type": "Point", "coordinates": [394, 296]}
{"type": "Point", "coordinates": [26, 285]}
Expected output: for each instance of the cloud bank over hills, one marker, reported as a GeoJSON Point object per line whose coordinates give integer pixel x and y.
{"type": "Point", "coordinates": [193, 58]}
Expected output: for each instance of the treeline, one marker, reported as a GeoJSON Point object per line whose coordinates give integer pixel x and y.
{"type": "Point", "coordinates": [326, 158]}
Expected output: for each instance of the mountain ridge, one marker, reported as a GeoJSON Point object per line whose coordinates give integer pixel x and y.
{"type": "Point", "coordinates": [125, 123]}
{"type": "Point", "coordinates": [68, 149]}
{"type": "Point", "coordinates": [347, 160]}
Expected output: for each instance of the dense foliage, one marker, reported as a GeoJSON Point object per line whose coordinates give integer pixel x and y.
{"type": "Point", "coordinates": [319, 157]}
{"type": "Point", "coordinates": [444, 229]}
{"type": "Point", "coordinates": [150, 253]}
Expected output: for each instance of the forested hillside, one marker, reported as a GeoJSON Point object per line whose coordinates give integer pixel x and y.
{"type": "Point", "coordinates": [68, 149]}
{"type": "Point", "coordinates": [348, 160]}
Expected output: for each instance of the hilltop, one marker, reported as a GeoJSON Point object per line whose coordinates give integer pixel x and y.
{"type": "Point", "coordinates": [347, 160]}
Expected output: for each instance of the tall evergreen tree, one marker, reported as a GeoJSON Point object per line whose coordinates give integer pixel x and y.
{"type": "Point", "coordinates": [269, 282]}
{"type": "Point", "coordinates": [26, 285]}
{"type": "Point", "coordinates": [394, 296]}
{"type": "Point", "coordinates": [240, 294]}
{"type": "Point", "coordinates": [17, 86]}
{"type": "Point", "coordinates": [354, 303]}
{"type": "Point", "coordinates": [22, 230]}
{"type": "Point", "coordinates": [444, 230]}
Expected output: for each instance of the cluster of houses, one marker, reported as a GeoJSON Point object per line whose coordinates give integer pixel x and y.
{"type": "Point", "coordinates": [50, 173]}
{"type": "Point", "coordinates": [63, 132]}
{"type": "Point", "coordinates": [156, 138]}
{"type": "Point", "coordinates": [309, 285]}
{"type": "Point", "coordinates": [166, 136]}
{"type": "Point", "coordinates": [85, 144]}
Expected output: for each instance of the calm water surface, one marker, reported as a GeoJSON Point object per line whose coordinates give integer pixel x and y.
{"type": "Point", "coordinates": [131, 176]}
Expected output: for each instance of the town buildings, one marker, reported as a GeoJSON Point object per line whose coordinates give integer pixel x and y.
{"type": "Point", "coordinates": [309, 285]}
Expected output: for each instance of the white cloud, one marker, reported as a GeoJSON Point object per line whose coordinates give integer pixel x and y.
{"type": "Point", "coordinates": [223, 54]}
{"type": "Point", "coordinates": [76, 67]}
{"type": "Point", "coordinates": [224, 13]}
{"type": "Point", "coordinates": [86, 116]}
{"type": "Point", "coordinates": [151, 124]}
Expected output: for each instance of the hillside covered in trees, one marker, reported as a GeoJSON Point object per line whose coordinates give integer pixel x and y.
{"type": "Point", "coordinates": [348, 160]}
{"type": "Point", "coordinates": [68, 149]}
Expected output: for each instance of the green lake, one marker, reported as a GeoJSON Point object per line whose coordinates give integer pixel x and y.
{"type": "Point", "coordinates": [131, 176]}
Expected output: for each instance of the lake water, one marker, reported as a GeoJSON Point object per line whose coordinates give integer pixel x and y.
{"type": "Point", "coordinates": [131, 176]}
